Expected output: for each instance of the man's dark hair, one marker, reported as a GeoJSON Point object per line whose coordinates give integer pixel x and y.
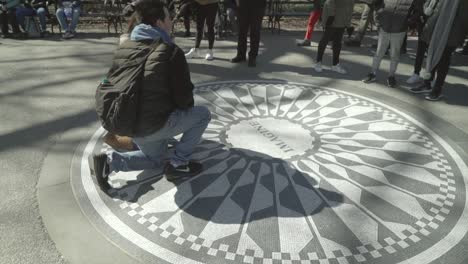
{"type": "Point", "coordinates": [146, 12]}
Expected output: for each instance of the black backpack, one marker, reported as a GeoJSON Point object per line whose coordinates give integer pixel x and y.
{"type": "Point", "coordinates": [117, 96]}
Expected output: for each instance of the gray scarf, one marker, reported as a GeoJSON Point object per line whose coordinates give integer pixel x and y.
{"type": "Point", "coordinates": [440, 35]}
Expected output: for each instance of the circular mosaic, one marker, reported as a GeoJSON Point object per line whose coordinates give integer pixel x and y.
{"type": "Point", "coordinates": [295, 173]}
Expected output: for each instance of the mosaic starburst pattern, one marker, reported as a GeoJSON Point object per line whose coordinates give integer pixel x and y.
{"type": "Point", "coordinates": [299, 174]}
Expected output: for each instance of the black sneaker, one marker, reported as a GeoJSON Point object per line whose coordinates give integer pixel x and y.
{"type": "Point", "coordinates": [433, 97]}
{"type": "Point", "coordinates": [183, 171]}
{"type": "Point", "coordinates": [304, 43]}
{"type": "Point", "coordinates": [391, 81]}
{"type": "Point", "coordinates": [252, 62]}
{"type": "Point", "coordinates": [425, 87]}
{"type": "Point", "coordinates": [101, 171]}
{"type": "Point", "coordinates": [238, 59]}
{"type": "Point", "coordinates": [369, 78]}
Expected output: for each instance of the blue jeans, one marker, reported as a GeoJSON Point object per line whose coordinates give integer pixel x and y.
{"type": "Point", "coordinates": [62, 19]}
{"type": "Point", "coordinates": [23, 12]}
{"type": "Point", "coordinates": [191, 123]}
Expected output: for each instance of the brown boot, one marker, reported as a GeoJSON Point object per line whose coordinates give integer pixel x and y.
{"type": "Point", "coordinates": [119, 142]}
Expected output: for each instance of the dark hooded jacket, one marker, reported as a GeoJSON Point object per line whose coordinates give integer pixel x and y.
{"type": "Point", "coordinates": [392, 15]}
{"type": "Point", "coordinates": [166, 85]}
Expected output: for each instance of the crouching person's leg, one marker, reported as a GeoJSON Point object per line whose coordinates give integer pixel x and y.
{"type": "Point", "coordinates": [149, 156]}
{"type": "Point", "coordinates": [191, 123]}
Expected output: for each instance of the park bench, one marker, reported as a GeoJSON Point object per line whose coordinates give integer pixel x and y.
{"type": "Point", "coordinates": [109, 11]}
{"type": "Point", "coordinates": [279, 9]}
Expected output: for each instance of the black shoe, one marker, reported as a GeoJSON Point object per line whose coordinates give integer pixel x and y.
{"type": "Point", "coordinates": [391, 81]}
{"type": "Point", "coordinates": [183, 171]}
{"type": "Point", "coordinates": [187, 34]}
{"type": "Point", "coordinates": [369, 78]}
{"type": "Point", "coordinates": [304, 43]}
{"type": "Point", "coordinates": [353, 43]}
{"type": "Point", "coordinates": [252, 62]}
{"type": "Point", "coordinates": [101, 171]}
{"type": "Point", "coordinates": [238, 59]}
{"type": "Point", "coordinates": [425, 87]}
{"type": "Point", "coordinates": [433, 97]}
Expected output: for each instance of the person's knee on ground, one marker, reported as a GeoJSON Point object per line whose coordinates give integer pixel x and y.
{"type": "Point", "coordinates": [119, 142]}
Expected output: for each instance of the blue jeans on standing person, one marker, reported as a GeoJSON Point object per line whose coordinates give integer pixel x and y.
{"type": "Point", "coordinates": [152, 148]}
{"type": "Point", "coordinates": [62, 19]}
{"type": "Point", "coordinates": [23, 12]}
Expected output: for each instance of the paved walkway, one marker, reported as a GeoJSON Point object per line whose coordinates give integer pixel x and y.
{"type": "Point", "coordinates": [300, 167]}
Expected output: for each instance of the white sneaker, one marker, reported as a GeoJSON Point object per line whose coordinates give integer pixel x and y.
{"type": "Point", "coordinates": [337, 68]}
{"type": "Point", "coordinates": [67, 35]}
{"type": "Point", "coordinates": [209, 55]}
{"type": "Point", "coordinates": [415, 78]}
{"type": "Point", "coordinates": [318, 67]}
{"type": "Point", "coordinates": [193, 53]}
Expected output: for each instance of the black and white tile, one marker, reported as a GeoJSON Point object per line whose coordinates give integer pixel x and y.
{"type": "Point", "coordinates": [295, 173]}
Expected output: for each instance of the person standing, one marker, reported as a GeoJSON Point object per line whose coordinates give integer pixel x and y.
{"type": "Point", "coordinates": [457, 32]}
{"type": "Point", "coordinates": [418, 19]}
{"type": "Point", "coordinates": [230, 7]}
{"type": "Point", "coordinates": [336, 15]}
{"type": "Point", "coordinates": [185, 11]}
{"type": "Point", "coordinates": [206, 12]}
{"type": "Point", "coordinates": [392, 16]}
{"type": "Point", "coordinates": [367, 16]}
{"type": "Point", "coordinates": [313, 18]}
{"type": "Point", "coordinates": [250, 16]}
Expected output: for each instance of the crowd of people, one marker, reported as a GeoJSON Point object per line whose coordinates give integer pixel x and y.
{"type": "Point", "coordinates": [166, 105]}
{"type": "Point", "coordinates": [393, 18]}
{"type": "Point", "coordinates": [13, 13]}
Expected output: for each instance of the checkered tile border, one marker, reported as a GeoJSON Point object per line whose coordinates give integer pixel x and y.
{"type": "Point", "coordinates": [423, 227]}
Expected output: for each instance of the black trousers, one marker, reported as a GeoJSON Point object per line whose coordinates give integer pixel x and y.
{"type": "Point", "coordinates": [250, 17]}
{"type": "Point", "coordinates": [331, 34]}
{"type": "Point", "coordinates": [421, 50]}
{"type": "Point", "coordinates": [6, 17]}
{"type": "Point", "coordinates": [185, 11]}
{"type": "Point", "coordinates": [206, 13]}
{"type": "Point", "coordinates": [441, 69]}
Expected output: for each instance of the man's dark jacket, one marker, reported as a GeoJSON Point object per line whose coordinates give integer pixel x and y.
{"type": "Point", "coordinates": [166, 85]}
{"type": "Point", "coordinates": [392, 15]}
